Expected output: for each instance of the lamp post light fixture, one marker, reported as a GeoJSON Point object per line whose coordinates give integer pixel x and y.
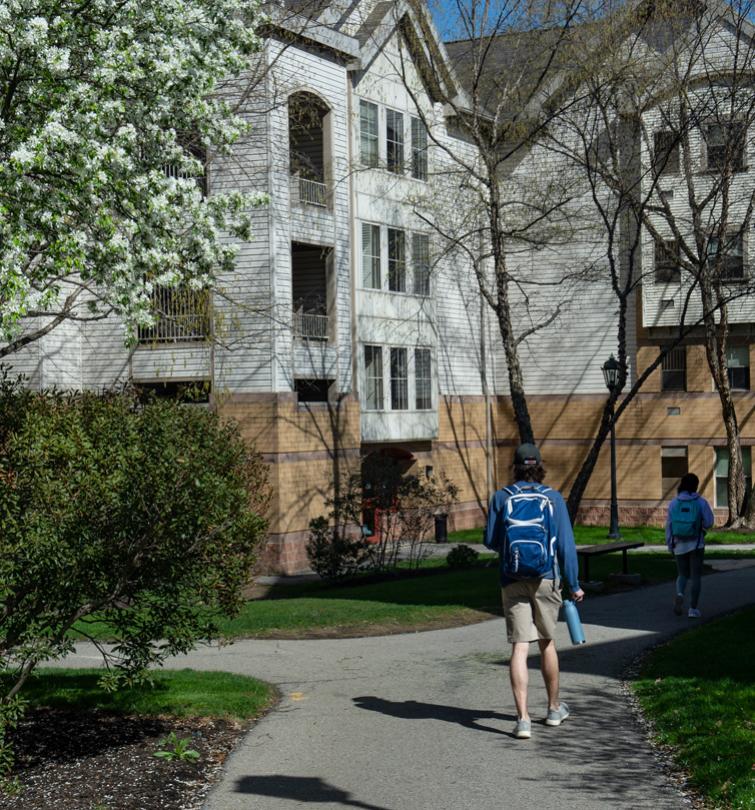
{"type": "Point", "coordinates": [611, 369]}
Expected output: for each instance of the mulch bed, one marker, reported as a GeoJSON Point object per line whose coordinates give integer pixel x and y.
{"type": "Point", "coordinates": [100, 761]}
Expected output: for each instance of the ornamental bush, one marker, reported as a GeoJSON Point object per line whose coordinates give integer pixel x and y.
{"type": "Point", "coordinates": [145, 517]}
{"type": "Point", "coordinates": [462, 556]}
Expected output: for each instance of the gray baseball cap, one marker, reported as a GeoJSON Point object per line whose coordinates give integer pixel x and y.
{"type": "Point", "coordinates": [527, 454]}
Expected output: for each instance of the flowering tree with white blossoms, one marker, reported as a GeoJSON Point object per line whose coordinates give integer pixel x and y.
{"type": "Point", "coordinates": [107, 108]}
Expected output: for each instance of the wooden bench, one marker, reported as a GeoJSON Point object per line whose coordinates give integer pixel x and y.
{"type": "Point", "coordinates": [585, 552]}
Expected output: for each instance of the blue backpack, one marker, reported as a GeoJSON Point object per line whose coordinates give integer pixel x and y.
{"type": "Point", "coordinates": [530, 541]}
{"type": "Point", "coordinates": [686, 519]}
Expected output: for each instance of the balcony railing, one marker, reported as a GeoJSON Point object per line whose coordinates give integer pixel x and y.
{"type": "Point", "coordinates": [310, 325]}
{"type": "Point", "coordinates": [181, 315]}
{"type": "Point", "coordinates": [311, 192]}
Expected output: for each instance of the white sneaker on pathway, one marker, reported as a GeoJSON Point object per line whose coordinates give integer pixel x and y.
{"type": "Point", "coordinates": [694, 613]}
{"type": "Point", "coordinates": [557, 716]}
{"type": "Point", "coordinates": [523, 729]}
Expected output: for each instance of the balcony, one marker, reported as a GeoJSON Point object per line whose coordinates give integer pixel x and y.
{"type": "Point", "coordinates": [308, 192]}
{"type": "Point", "coordinates": [181, 316]}
{"type": "Point", "coordinates": [310, 325]}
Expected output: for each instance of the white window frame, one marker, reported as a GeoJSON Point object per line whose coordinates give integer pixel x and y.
{"type": "Point", "coordinates": [366, 156]}
{"type": "Point", "coordinates": [423, 385]}
{"type": "Point", "coordinates": [421, 289]}
{"type": "Point", "coordinates": [374, 384]}
{"type": "Point", "coordinates": [399, 385]}
{"type": "Point", "coordinates": [420, 166]}
{"type": "Point", "coordinates": [375, 259]}
{"type": "Point", "coordinates": [397, 263]}
{"type": "Point", "coordinates": [399, 166]}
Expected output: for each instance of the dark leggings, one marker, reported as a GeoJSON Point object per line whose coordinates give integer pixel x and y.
{"type": "Point", "coordinates": [690, 567]}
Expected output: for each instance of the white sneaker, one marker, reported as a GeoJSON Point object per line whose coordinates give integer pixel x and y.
{"type": "Point", "coordinates": [693, 613]}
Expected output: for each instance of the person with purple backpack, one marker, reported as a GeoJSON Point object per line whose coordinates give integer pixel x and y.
{"type": "Point", "coordinates": [689, 517]}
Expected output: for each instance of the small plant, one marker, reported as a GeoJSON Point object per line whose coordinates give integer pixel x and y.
{"type": "Point", "coordinates": [174, 748]}
{"type": "Point", "coordinates": [11, 787]}
{"type": "Point", "coordinates": [462, 556]}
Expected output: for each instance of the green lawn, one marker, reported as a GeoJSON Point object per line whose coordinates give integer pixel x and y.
{"type": "Point", "coordinates": [179, 693]}
{"type": "Point", "coordinates": [445, 597]}
{"type": "Point", "coordinates": [699, 690]}
{"type": "Point", "coordinates": [591, 535]}
{"type": "Point", "coordinates": [435, 597]}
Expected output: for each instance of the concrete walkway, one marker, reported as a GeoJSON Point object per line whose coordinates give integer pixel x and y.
{"type": "Point", "coordinates": [423, 721]}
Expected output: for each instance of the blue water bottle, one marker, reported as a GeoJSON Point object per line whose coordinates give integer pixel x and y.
{"type": "Point", "coordinates": [573, 622]}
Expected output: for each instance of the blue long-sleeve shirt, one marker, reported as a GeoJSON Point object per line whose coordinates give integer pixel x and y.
{"type": "Point", "coordinates": [706, 513]}
{"type": "Point", "coordinates": [566, 550]}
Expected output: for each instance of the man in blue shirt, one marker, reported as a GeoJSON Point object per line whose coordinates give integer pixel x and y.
{"type": "Point", "coordinates": [531, 605]}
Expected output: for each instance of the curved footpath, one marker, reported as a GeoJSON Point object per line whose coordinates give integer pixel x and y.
{"type": "Point", "coordinates": [423, 721]}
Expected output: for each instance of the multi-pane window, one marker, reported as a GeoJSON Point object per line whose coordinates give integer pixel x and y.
{"type": "Point", "coordinates": [399, 380]}
{"type": "Point", "coordinates": [725, 146]}
{"type": "Point", "coordinates": [665, 153]}
{"type": "Point", "coordinates": [421, 263]}
{"type": "Point", "coordinates": [722, 474]}
{"type": "Point", "coordinates": [396, 260]}
{"type": "Point", "coordinates": [394, 141]}
{"type": "Point", "coordinates": [368, 133]}
{"type": "Point", "coordinates": [674, 370]}
{"type": "Point", "coordinates": [731, 265]}
{"type": "Point", "coordinates": [419, 149]}
{"type": "Point", "coordinates": [373, 375]}
{"type": "Point", "coordinates": [371, 255]}
{"type": "Point", "coordinates": [673, 466]}
{"type": "Point", "coordinates": [667, 261]}
{"type": "Point", "coordinates": [423, 380]}
{"type": "Point", "coordinates": [738, 367]}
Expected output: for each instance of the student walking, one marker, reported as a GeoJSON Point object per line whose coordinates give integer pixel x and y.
{"type": "Point", "coordinates": [689, 516]}
{"type": "Point", "coordinates": [529, 526]}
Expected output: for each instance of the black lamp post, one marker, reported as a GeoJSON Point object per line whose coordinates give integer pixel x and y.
{"type": "Point", "coordinates": [611, 369]}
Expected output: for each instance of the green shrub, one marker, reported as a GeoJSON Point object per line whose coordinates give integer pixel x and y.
{"type": "Point", "coordinates": [462, 556]}
{"type": "Point", "coordinates": [145, 517]}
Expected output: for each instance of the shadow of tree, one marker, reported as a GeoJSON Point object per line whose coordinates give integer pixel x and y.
{"type": "Point", "coordinates": [304, 789]}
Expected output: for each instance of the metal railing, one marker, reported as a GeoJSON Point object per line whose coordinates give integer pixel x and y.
{"type": "Point", "coordinates": [181, 315]}
{"type": "Point", "coordinates": [312, 192]}
{"type": "Point", "coordinates": [310, 325]}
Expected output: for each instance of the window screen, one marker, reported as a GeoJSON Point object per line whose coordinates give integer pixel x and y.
{"type": "Point", "coordinates": [396, 260]}
{"type": "Point", "coordinates": [419, 149]}
{"type": "Point", "coordinates": [399, 380]}
{"type": "Point", "coordinates": [371, 255]}
{"type": "Point", "coordinates": [373, 374]}
{"type": "Point", "coordinates": [368, 133]}
{"type": "Point", "coordinates": [394, 141]}
{"type": "Point", "coordinates": [423, 381]}
{"type": "Point", "coordinates": [673, 467]}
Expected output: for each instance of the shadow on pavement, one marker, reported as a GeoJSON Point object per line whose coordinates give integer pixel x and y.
{"type": "Point", "coordinates": [416, 710]}
{"type": "Point", "coordinates": [300, 789]}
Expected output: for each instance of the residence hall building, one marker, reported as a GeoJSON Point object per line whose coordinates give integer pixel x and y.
{"type": "Point", "coordinates": [351, 328]}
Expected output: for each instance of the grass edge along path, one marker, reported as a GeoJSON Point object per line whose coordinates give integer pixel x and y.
{"type": "Point", "coordinates": [444, 598]}
{"type": "Point", "coordinates": [698, 692]}
{"type": "Point", "coordinates": [598, 535]}
{"type": "Point", "coordinates": [172, 693]}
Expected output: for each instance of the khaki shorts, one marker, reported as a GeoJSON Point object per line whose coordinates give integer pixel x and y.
{"type": "Point", "coordinates": [531, 609]}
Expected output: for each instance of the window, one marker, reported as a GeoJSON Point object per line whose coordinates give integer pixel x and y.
{"type": "Point", "coordinates": [674, 370]}
{"type": "Point", "coordinates": [373, 373]}
{"type": "Point", "coordinates": [722, 474]}
{"type": "Point", "coordinates": [738, 367]}
{"type": "Point", "coordinates": [725, 145]}
{"type": "Point", "coordinates": [399, 380]}
{"type": "Point", "coordinates": [396, 260]}
{"type": "Point", "coordinates": [371, 255]}
{"type": "Point", "coordinates": [423, 380]}
{"type": "Point", "coordinates": [731, 267]}
{"type": "Point", "coordinates": [667, 261]}
{"type": "Point", "coordinates": [394, 141]}
{"type": "Point", "coordinates": [368, 133]}
{"type": "Point", "coordinates": [421, 263]}
{"type": "Point", "coordinates": [419, 149]}
{"type": "Point", "coordinates": [673, 467]}
{"type": "Point", "coordinates": [665, 153]}
{"type": "Point", "coordinates": [312, 390]}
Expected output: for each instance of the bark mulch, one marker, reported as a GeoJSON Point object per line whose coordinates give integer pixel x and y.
{"type": "Point", "coordinates": [99, 761]}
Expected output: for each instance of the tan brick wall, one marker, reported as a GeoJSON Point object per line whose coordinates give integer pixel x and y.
{"type": "Point", "coordinates": [645, 356]}
{"type": "Point", "coordinates": [698, 373]}
{"type": "Point", "coordinates": [296, 443]}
